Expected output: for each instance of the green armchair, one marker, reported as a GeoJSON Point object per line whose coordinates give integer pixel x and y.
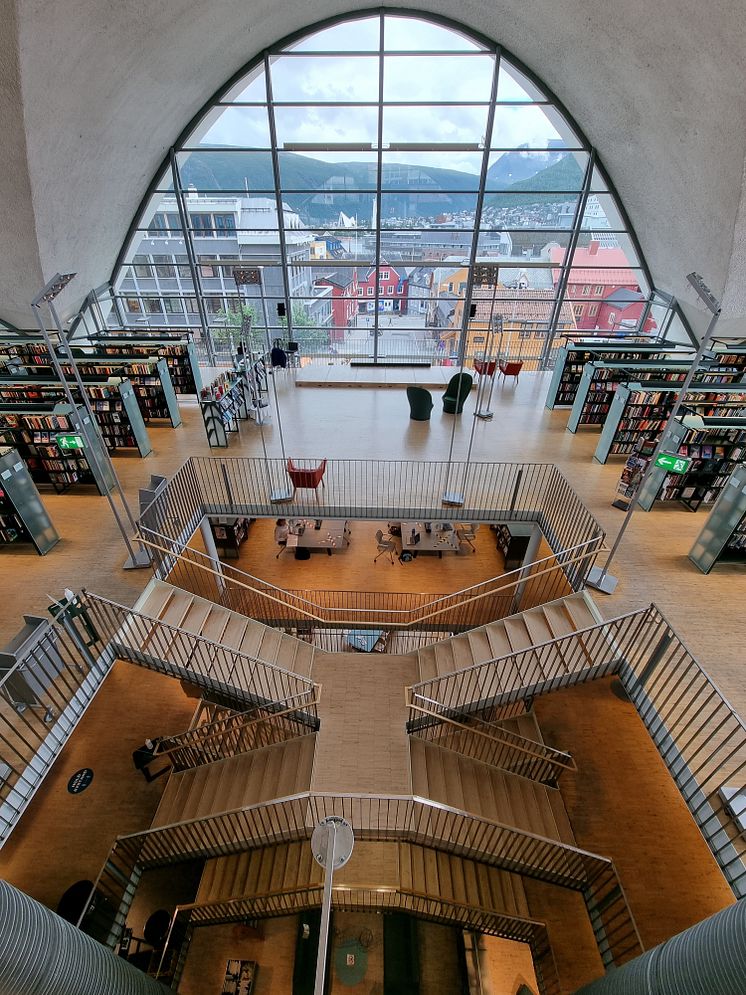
{"type": "Point", "coordinates": [420, 403]}
{"type": "Point", "coordinates": [456, 393]}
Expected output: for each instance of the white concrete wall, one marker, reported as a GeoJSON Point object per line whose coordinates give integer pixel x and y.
{"type": "Point", "coordinates": [104, 89]}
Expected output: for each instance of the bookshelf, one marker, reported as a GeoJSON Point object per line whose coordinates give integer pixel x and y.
{"type": "Point", "coordinates": [229, 532]}
{"type": "Point", "coordinates": [115, 406]}
{"type": "Point", "coordinates": [723, 536]}
{"type": "Point", "coordinates": [639, 411]}
{"type": "Point", "coordinates": [600, 380]}
{"type": "Point", "coordinates": [179, 353]}
{"type": "Point", "coordinates": [513, 547]}
{"type": "Point", "coordinates": [715, 444]}
{"type": "Point", "coordinates": [33, 432]}
{"type": "Point", "coordinates": [23, 517]}
{"type": "Point", "coordinates": [572, 357]}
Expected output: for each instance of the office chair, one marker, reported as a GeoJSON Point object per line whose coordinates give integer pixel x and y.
{"type": "Point", "coordinates": [385, 546]}
{"type": "Point", "coordinates": [466, 534]}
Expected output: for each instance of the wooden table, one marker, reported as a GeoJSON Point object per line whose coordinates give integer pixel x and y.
{"type": "Point", "coordinates": [332, 534]}
{"type": "Point", "coordinates": [442, 538]}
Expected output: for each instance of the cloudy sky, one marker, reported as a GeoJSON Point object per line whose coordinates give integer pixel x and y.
{"type": "Point", "coordinates": [351, 78]}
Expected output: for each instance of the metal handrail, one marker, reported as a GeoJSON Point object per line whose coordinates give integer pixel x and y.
{"type": "Point", "coordinates": [503, 737]}
{"type": "Point", "coordinates": [410, 616]}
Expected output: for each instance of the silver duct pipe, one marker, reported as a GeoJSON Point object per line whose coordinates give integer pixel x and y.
{"type": "Point", "coordinates": [707, 959]}
{"type": "Point", "coordinates": [42, 954]}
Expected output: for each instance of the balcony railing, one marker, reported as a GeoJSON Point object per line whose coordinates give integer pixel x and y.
{"type": "Point", "coordinates": [699, 735]}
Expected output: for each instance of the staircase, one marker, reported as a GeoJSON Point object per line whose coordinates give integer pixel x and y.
{"type": "Point", "coordinates": [488, 793]}
{"type": "Point", "coordinates": [263, 775]}
{"type": "Point", "coordinates": [508, 635]}
{"type": "Point", "coordinates": [221, 625]}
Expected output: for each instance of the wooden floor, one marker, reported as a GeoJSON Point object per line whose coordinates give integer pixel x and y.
{"type": "Point", "coordinates": [63, 838]}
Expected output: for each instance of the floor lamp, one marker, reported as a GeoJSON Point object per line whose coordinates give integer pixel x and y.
{"type": "Point", "coordinates": [331, 844]}
{"type": "Point", "coordinates": [138, 558]}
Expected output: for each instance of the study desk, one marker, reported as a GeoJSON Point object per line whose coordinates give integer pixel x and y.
{"type": "Point", "coordinates": [332, 534]}
{"type": "Point", "coordinates": [442, 538]}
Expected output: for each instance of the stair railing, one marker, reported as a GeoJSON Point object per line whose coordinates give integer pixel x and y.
{"type": "Point", "coordinates": [489, 744]}
{"type": "Point", "coordinates": [533, 584]}
{"type": "Point", "coordinates": [216, 669]}
{"type": "Point", "coordinates": [700, 736]}
{"type": "Point", "coordinates": [241, 732]}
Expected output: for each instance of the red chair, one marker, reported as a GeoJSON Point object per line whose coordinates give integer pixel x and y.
{"type": "Point", "coordinates": [485, 368]}
{"type": "Point", "coordinates": [510, 369]}
{"type": "Point", "coordinates": [307, 478]}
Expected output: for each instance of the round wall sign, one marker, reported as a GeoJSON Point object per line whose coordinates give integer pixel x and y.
{"type": "Point", "coordinates": [80, 780]}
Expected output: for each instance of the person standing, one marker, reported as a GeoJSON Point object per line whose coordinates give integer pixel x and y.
{"type": "Point", "coordinates": [281, 531]}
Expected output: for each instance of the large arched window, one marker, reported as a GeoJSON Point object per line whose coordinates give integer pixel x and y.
{"type": "Point", "coordinates": [401, 187]}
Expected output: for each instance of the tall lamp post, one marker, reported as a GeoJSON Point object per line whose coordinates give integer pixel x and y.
{"type": "Point", "coordinates": [599, 578]}
{"type": "Point", "coordinates": [331, 844]}
{"type": "Point", "coordinates": [138, 557]}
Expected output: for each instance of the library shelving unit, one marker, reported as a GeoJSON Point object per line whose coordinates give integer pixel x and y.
{"type": "Point", "coordinates": [33, 432]}
{"type": "Point", "coordinates": [150, 378]}
{"type": "Point", "coordinates": [513, 547]}
{"type": "Point", "coordinates": [23, 517]}
{"type": "Point", "coordinates": [572, 357]}
{"type": "Point", "coordinates": [716, 445]}
{"type": "Point", "coordinates": [115, 406]}
{"type": "Point", "coordinates": [223, 404]}
{"type": "Point", "coordinates": [729, 353]}
{"type": "Point", "coordinates": [723, 537]}
{"type": "Point", "coordinates": [640, 411]}
{"type": "Point", "coordinates": [177, 350]}
{"type": "Point", "coordinates": [149, 374]}
{"type": "Point", "coordinates": [229, 532]}
{"type": "Point", "coordinates": [599, 382]}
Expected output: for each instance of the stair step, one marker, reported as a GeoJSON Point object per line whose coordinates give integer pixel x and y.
{"type": "Point", "coordinates": [176, 608]}
{"type": "Point", "coordinates": [304, 655]}
{"type": "Point", "coordinates": [234, 630]}
{"type": "Point", "coordinates": [498, 640]}
{"type": "Point", "coordinates": [156, 600]}
{"type": "Point", "coordinates": [252, 639]}
{"type": "Point", "coordinates": [426, 662]}
{"type": "Point", "coordinates": [271, 644]}
{"type": "Point", "coordinates": [462, 653]}
{"type": "Point", "coordinates": [580, 612]}
{"type": "Point", "coordinates": [444, 660]}
{"type": "Point", "coordinates": [537, 626]}
{"type": "Point", "coordinates": [517, 633]}
{"type": "Point", "coordinates": [196, 617]}
{"type": "Point", "coordinates": [418, 762]}
{"type": "Point", "coordinates": [215, 624]}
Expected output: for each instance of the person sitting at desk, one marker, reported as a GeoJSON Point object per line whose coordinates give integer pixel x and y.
{"type": "Point", "coordinates": [281, 531]}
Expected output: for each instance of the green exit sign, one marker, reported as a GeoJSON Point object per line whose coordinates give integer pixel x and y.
{"type": "Point", "coordinates": [673, 463]}
{"type": "Point", "coordinates": [70, 441]}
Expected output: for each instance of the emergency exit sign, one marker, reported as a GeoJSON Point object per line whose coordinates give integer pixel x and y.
{"type": "Point", "coordinates": [68, 442]}
{"type": "Point", "coordinates": [673, 463]}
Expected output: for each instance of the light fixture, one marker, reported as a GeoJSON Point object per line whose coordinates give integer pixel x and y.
{"type": "Point", "coordinates": [55, 286]}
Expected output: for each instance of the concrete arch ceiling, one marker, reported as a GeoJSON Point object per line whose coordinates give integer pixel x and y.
{"type": "Point", "coordinates": [92, 95]}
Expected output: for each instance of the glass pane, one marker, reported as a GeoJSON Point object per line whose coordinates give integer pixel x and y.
{"type": "Point", "coordinates": [525, 244]}
{"type": "Point", "coordinates": [252, 88]}
{"type": "Point", "coordinates": [353, 171]}
{"type": "Point", "coordinates": [512, 84]}
{"type": "Point", "coordinates": [234, 171]}
{"type": "Point", "coordinates": [310, 127]}
{"type": "Point", "coordinates": [601, 212]}
{"type": "Point", "coordinates": [451, 210]}
{"type": "Point", "coordinates": [591, 252]}
{"type": "Point", "coordinates": [246, 127]}
{"type": "Point", "coordinates": [435, 125]}
{"type": "Point", "coordinates": [410, 34]}
{"type": "Point", "coordinates": [533, 126]}
{"type": "Point", "coordinates": [362, 35]}
{"type": "Point", "coordinates": [333, 209]}
{"type": "Point", "coordinates": [337, 245]}
{"type": "Point", "coordinates": [539, 170]}
{"type": "Point", "coordinates": [529, 210]}
{"type": "Point", "coordinates": [426, 245]}
{"type": "Point", "coordinates": [323, 78]}
{"type": "Point", "coordinates": [436, 78]}
{"type": "Point", "coordinates": [421, 170]}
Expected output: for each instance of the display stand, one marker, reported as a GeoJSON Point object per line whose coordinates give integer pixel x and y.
{"type": "Point", "coordinates": [223, 405]}
{"type": "Point", "coordinates": [600, 379]}
{"type": "Point", "coordinates": [715, 445]}
{"type": "Point", "coordinates": [513, 547]}
{"type": "Point", "coordinates": [571, 359]}
{"type": "Point", "coordinates": [641, 410]}
{"type": "Point", "coordinates": [723, 537]}
{"type": "Point", "coordinates": [23, 517]}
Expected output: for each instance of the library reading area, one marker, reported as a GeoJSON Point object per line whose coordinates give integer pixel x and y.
{"type": "Point", "coordinates": [372, 501]}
